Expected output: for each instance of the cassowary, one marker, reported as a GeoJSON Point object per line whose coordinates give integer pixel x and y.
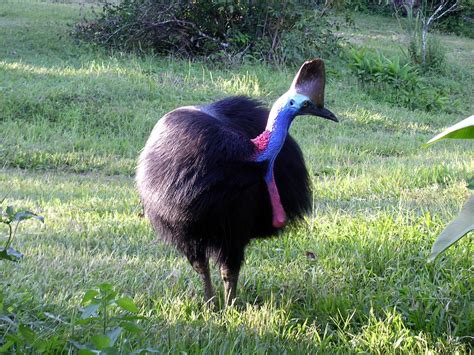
{"type": "Point", "coordinates": [213, 177]}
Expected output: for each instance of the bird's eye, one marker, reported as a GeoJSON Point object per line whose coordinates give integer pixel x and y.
{"type": "Point", "coordinates": [305, 104]}
{"type": "Point", "coordinates": [292, 102]}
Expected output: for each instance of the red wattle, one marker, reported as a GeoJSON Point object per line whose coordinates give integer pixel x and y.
{"type": "Point", "coordinates": [261, 141]}
{"type": "Point", "coordinates": [279, 215]}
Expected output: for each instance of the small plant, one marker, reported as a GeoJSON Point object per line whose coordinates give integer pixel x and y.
{"type": "Point", "coordinates": [12, 218]}
{"type": "Point", "coordinates": [104, 313]}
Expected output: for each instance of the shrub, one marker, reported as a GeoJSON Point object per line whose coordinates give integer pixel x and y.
{"type": "Point", "coordinates": [389, 80]}
{"type": "Point", "coordinates": [435, 53]}
{"type": "Point", "coordinates": [272, 31]}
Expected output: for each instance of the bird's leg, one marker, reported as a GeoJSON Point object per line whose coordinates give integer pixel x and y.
{"type": "Point", "coordinates": [202, 268]}
{"type": "Point", "coordinates": [230, 278]}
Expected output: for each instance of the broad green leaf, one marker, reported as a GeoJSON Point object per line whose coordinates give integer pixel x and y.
{"type": "Point", "coordinates": [131, 327]}
{"type": "Point", "coordinates": [101, 341]}
{"type": "Point", "coordinates": [27, 333]}
{"type": "Point", "coordinates": [461, 130]}
{"type": "Point", "coordinates": [6, 346]}
{"type": "Point", "coordinates": [10, 254]}
{"type": "Point", "coordinates": [113, 335]}
{"type": "Point", "coordinates": [106, 287]}
{"type": "Point", "coordinates": [463, 224]}
{"type": "Point", "coordinates": [89, 295]}
{"type": "Point", "coordinates": [86, 351]}
{"type": "Point", "coordinates": [90, 310]}
{"type": "Point", "coordinates": [10, 212]}
{"type": "Point", "coordinates": [127, 304]}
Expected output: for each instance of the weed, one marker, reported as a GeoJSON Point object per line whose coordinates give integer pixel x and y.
{"type": "Point", "coordinates": [12, 220]}
{"type": "Point", "coordinates": [104, 323]}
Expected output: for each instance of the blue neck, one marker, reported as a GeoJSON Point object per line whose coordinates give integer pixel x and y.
{"type": "Point", "coordinates": [278, 125]}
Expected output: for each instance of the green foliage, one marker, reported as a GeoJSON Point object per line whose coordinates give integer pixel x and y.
{"type": "Point", "coordinates": [19, 337]}
{"type": "Point", "coordinates": [461, 130]}
{"type": "Point", "coordinates": [464, 222]}
{"type": "Point", "coordinates": [459, 22]}
{"type": "Point", "coordinates": [458, 228]}
{"type": "Point", "coordinates": [12, 219]}
{"type": "Point", "coordinates": [435, 53]}
{"type": "Point", "coordinates": [100, 322]}
{"type": "Point", "coordinates": [276, 31]}
{"type": "Point", "coordinates": [104, 322]}
{"type": "Point", "coordinates": [391, 81]}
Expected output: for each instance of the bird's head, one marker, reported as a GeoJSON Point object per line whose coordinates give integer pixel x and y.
{"type": "Point", "coordinates": [305, 96]}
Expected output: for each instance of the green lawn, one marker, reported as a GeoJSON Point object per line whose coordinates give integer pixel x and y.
{"type": "Point", "coordinates": [72, 122]}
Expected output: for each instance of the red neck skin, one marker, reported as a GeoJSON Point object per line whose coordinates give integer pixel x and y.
{"type": "Point", "coordinates": [278, 212]}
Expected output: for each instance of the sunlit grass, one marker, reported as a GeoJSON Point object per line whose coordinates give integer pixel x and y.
{"type": "Point", "coordinates": [351, 277]}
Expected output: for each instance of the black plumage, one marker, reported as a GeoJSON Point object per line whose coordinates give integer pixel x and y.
{"type": "Point", "coordinates": [203, 188]}
{"type": "Point", "coordinates": [200, 188]}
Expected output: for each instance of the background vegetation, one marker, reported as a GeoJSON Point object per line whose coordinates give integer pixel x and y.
{"type": "Point", "coordinates": [350, 278]}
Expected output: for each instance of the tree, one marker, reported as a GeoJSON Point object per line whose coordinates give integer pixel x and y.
{"type": "Point", "coordinates": [437, 11]}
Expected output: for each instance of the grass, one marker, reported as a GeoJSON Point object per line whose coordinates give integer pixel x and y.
{"type": "Point", "coordinates": [73, 120]}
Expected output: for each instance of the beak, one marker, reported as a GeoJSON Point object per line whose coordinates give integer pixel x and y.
{"type": "Point", "coordinates": [314, 110]}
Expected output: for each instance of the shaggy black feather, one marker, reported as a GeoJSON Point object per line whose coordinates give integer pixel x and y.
{"type": "Point", "coordinates": [200, 188]}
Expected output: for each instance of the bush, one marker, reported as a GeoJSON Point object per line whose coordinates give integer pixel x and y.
{"type": "Point", "coordinates": [272, 31]}
{"type": "Point", "coordinates": [389, 80]}
{"type": "Point", "coordinates": [459, 22]}
{"type": "Point", "coordinates": [435, 53]}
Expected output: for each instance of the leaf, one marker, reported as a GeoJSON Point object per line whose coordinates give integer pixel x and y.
{"type": "Point", "coordinates": [113, 335]}
{"type": "Point", "coordinates": [27, 333]}
{"type": "Point", "coordinates": [89, 295]}
{"type": "Point", "coordinates": [10, 254]}
{"type": "Point", "coordinates": [90, 310]}
{"type": "Point", "coordinates": [101, 341]}
{"type": "Point", "coordinates": [127, 304]}
{"type": "Point", "coordinates": [6, 346]}
{"type": "Point", "coordinates": [87, 320]}
{"type": "Point", "coordinates": [470, 183]}
{"type": "Point", "coordinates": [131, 327]}
{"type": "Point", "coordinates": [10, 212]}
{"type": "Point", "coordinates": [461, 130]}
{"type": "Point", "coordinates": [463, 224]}
{"type": "Point", "coordinates": [106, 287]}
{"type": "Point", "coordinates": [24, 215]}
